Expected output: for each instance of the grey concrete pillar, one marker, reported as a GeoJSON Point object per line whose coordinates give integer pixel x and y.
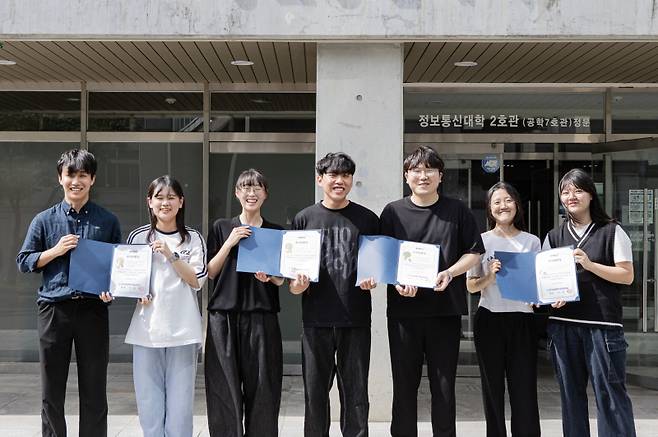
{"type": "Point", "coordinates": [359, 112]}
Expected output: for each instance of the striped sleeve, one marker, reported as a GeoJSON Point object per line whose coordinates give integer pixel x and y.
{"type": "Point", "coordinates": [138, 236]}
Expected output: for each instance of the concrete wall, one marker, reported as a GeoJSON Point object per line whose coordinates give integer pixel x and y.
{"type": "Point", "coordinates": [359, 112]}
{"type": "Point", "coordinates": [327, 19]}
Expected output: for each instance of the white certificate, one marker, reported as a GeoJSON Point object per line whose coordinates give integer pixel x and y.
{"type": "Point", "coordinates": [418, 264]}
{"type": "Point", "coordinates": [300, 254]}
{"type": "Point", "coordinates": [556, 275]}
{"type": "Point", "coordinates": [131, 270]}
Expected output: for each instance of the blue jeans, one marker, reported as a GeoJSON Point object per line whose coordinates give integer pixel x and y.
{"type": "Point", "coordinates": [599, 354]}
{"type": "Point", "coordinates": [164, 389]}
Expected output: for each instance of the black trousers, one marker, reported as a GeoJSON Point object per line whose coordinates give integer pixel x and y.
{"type": "Point", "coordinates": [83, 323]}
{"type": "Point", "coordinates": [345, 353]}
{"type": "Point", "coordinates": [506, 346]}
{"type": "Point", "coordinates": [244, 370]}
{"type": "Point", "coordinates": [413, 341]}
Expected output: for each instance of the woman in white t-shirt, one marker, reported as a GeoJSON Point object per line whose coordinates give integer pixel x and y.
{"type": "Point", "coordinates": [165, 329]}
{"type": "Point", "coordinates": [504, 333]}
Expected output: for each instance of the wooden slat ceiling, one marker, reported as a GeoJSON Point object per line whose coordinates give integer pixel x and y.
{"type": "Point", "coordinates": [532, 62]}
{"type": "Point", "coordinates": [295, 62]}
{"type": "Point", "coordinates": [158, 61]}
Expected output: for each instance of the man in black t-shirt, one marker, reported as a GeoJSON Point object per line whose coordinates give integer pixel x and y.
{"type": "Point", "coordinates": [336, 313]}
{"type": "Point", "coordinates": [425, 324]}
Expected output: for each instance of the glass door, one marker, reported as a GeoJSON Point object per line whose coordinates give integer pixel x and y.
{"type": "Point", "coordinates": [630, 175]}
{"type": "Point", "coordinates": [533, 179]}
{"type": "Point", "coordinates": [457, 183]}
{"type": "Point", "coordinates": [465, 179]}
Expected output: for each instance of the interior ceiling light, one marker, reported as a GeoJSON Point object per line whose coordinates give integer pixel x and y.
{"type": "Point", "coordinates": [170, 100]}
{"type": "Point", "coordinates": [260, 101]}
{"type": "Point", "coordinates": [466, 64]}
{"type": "Point", "coordinates": [7, 62]}
{"type": "Point", "coordinates": [241, 62]}
{"type": "Point", "coordinates": [73, 99]}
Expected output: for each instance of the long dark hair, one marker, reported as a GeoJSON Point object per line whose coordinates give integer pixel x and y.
{"type": "Point", "coordinates": [519, 221]}
{"type": "Point", "coordinates": [154, 188]}
{"type": "Point", "coordinates": [582, 180]}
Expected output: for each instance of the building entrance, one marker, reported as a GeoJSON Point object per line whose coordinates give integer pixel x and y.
{"type": "Point", "coordinates": [626, 177]}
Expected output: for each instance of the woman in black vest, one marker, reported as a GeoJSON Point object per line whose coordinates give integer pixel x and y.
{"type": "Point", "coordinates": [586, 338]}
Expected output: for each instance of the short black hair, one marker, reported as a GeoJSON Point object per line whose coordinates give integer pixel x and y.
{"type": "Point", "coordinates": [338, 162]}
{"type": "Point", "coordinates": [76, 160]}
{"type": "Point", "coordinates": [423, 155]}
{"type": "Point", "coordinates": [251, 178]}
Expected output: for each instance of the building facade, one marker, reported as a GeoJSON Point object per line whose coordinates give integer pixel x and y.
{"type": "Point", "coordinates": [512, 90]}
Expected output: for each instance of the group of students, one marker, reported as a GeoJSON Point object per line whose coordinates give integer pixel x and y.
{"type": "Point", "coordinates": [243, 359]}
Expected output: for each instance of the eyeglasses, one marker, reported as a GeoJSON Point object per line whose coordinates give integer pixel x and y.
{"type": "Point", "coordinates": [429, 172]}
{"type": "Point", "coordinates": [246, 189]}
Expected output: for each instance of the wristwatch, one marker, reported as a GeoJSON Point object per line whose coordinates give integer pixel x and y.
{"type": "Point", "coordinates": [174, 257]}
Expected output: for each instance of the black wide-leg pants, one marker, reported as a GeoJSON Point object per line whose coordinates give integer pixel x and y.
{"type": "Point", "coordinates": [506, 346]}
{"type": "Point", "coordinates": [244, 370]}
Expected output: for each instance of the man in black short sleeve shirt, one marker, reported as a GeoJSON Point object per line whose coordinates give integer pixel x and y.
{"type": "Point", "coordinates": [423, 323]}
{"type": "Point", "coordinates": [336, 312]}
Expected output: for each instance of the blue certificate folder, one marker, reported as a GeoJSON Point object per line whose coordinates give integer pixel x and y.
{"type": "Point", "coordinates": [90, 266]}
{"type": "Point", "coordinates": [378, 258]}
{"type": "Point", "coordinates": [261, 252]}
{"type": "Point", "coordinates": [517, 277]}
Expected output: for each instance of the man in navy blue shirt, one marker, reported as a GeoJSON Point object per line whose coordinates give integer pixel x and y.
{"type": "Point", "coordinates": [68, 316]}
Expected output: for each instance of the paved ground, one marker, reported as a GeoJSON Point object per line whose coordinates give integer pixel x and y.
{"type": "Point", "coordinates": [20, 403]}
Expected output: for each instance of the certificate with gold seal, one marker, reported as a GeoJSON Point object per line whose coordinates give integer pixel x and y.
{"type": "Point", "coordinates": [131, 270]}
{"type": "Point", "coordinates": [300, 254]}
{"type": "Point", "coordinates": [418, 264]}
{"type": "Point", "coordinates": [556, 275]}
